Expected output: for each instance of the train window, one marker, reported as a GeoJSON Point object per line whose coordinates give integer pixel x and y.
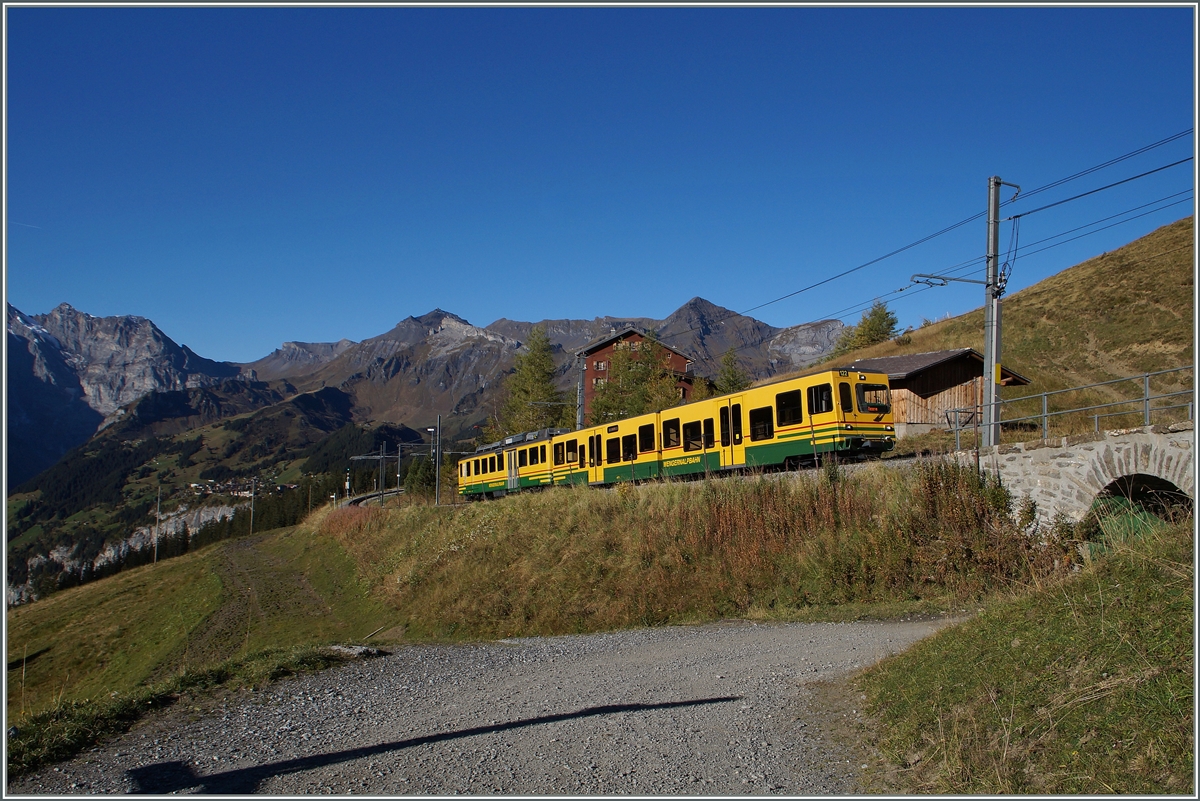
{"type": "Point", "coordinates": [787, 404]}
{"type": "Point", "coordinates": [476, 467]}
{"type": "Point", "coordinates": [597, 451]}
{"type": "Point", "coordinates": [874, 399]}
{"type": "Point", "coordinates": [629, 447]}
{"type": "Point", "coordinates": [560, 453]}
{"type": "Point", "coordinates": [522, 458]}
{"type": "Point", "coordinates": [761, 426]}
{"type": "Point", "coordinates": [467, 469]}
{"type": "Point", "coordinates": [670, 437]}
{"type": "Point", "coordinates": [736, 414]}
{"type": "Point", "coordinates": [820, 399]}
{"type": "Point", "coordinates": [543, 454]}
{"type": "Point", "coordinates": [709, 441]}
{"type": "Point", "coordinates": [692, 439]}
{"type": "Point", "coordinates": [724, 415]}
{"type": "Point", "coordinates": [646, 437]}
{"type": "Point", "coordinates": [491, 464]}
{"type": "Point", "coordinates": [573, 451]}
{"type": "Point", "coordinates": [614, 450]}
{"type": "Point", "coordinates": [500, 460]}
{"type": "Point", "coordinates": [844, 397]}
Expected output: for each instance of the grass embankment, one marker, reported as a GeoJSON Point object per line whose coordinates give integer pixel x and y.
{"type": "Point", "coordinates": [88, 661]}
{"type": "Point", "coordinates": [1082, 686]}
{"type": "Point", "coordinates": [822, 544]}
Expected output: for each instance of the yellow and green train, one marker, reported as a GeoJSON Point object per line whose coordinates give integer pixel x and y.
{"type": "Point", "coordinates": [782, 425]}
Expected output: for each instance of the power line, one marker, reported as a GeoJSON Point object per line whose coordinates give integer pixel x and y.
{"type": "Point", "coordinates": [1101, 189]}
{"type": "Point", "coordinates": [963, 222]}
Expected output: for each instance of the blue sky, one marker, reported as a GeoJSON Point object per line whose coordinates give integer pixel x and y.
{"type": "Point", "coordinates": [246, 176]}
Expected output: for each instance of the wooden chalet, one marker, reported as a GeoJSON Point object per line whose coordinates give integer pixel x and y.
{"type": "Point", "coordinates": [595, 359]}
{"type": "Point", "coordinates": [927, 385]}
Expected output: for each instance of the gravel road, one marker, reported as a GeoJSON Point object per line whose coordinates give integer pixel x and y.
{"type": "Point", "coordinates": [720, 709]}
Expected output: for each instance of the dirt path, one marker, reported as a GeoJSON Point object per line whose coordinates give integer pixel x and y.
{"type": "Point", "coordinates": [719, 709]}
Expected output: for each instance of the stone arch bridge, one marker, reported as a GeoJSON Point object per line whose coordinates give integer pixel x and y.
{"type": "Point", "coordinates": [1065, 475]}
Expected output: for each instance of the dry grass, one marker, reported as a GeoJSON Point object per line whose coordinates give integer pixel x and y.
{"type": "Point", "coordinates": [1085, 686]}
{"type": "Point", "coordinates": [577, 559]}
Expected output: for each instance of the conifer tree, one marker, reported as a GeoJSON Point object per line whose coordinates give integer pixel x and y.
{"type": "Point", "coordinates": [730, 379]}
{"type": "Point", "coordinates": [878, 324]}
{"type": "Point", "coordinates": [532, 401]}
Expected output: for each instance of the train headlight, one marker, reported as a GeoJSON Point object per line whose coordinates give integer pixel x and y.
{"type": "Point", "coordinates": [849, 427]}
{"type": "Point", "coordinates": [888, 428]}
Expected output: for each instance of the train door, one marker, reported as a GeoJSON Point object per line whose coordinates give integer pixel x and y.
{"type": "Point", "coordinates": [510, 462]}
{"type": "Point", "coordinates": [595, 458]}
{"type": "Point", "coordinates": [733, 449]}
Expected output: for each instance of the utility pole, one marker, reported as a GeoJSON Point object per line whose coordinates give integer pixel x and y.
{"type": "Point", "coordinates": [991, 320]}
{"type": "Point", "coordinates": [252, 506]}
{"type": "Point", "coordinates": [157, 520]}
{"type": "Point", "coordinates": [382, 457]}
{"type": "Point", "coordinates": [437, 466]}
{"type": "Point", "coordinates": [993, 289]}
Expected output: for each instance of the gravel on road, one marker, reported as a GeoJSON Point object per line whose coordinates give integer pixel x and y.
{"type": "Point", "coordinates": [716, 709]}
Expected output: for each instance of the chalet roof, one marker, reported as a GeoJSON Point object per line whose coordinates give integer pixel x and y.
{"type": "Point", "coordinates": [899, 368]}
{"type": "Point", "coordinates": [598, 344]}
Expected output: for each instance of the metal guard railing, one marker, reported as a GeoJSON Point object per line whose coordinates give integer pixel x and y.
{"type": "Point", "coordinates": [973, 413]}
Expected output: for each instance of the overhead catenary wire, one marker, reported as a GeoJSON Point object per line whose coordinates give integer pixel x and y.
{"type": "Point", "coordinates": [911, 290]}
{"type": "Point", "coordinates": [1100, 189]}
{"type": "Point", "coordinates": [967, 220]}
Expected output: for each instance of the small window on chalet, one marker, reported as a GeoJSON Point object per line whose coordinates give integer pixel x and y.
{"type": "Point", "coordinates": [820, 399]}
{"type": "Point", "coordinates": [613, 446]}
{"type": "Point", "coordinates": [761, 426]}
{"type": "Point", "coordinates": [709, 439]}
{"type": "Point", "coordinates": [629, 447]}
{"type": "Point", "coordinates": [787, 404]}
{"type": "Point", "coordinates": [573, 451]}
{"type": "Point", "coordinates": [844, 397]}
{"type": "Point", "coordinates": [670, 433]}
{"type": "Point", "coordinates": [522, 458]}
{"type": "Point", "coordinates": [692, 438]}
{"type": "Point", "coordinates": [560, 453]}
{"type": "Point", "coordinates": [646, 437]}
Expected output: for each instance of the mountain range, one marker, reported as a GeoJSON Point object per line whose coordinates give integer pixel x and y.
{"type": "Point", "coordinates": [71, 374]}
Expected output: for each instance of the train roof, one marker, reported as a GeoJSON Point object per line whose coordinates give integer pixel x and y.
{"type": "Point", "coordinates": [518, 439]}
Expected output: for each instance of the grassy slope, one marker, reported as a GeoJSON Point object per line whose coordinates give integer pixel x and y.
{"type": "Point", "coordinates": [236, 597]}
{"type": "Point", "coordinates": [1119, 314]}
{"type": "Point", "coordinates": [1085, 686]}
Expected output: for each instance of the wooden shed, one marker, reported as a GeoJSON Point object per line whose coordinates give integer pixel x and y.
{"type": "Point", "coordinates": [927, 385]}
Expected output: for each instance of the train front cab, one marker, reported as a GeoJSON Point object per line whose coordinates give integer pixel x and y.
{"type": "Point", "coordinates": [796, 422]}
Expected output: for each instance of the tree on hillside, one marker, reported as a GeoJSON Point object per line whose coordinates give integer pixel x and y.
{"type": "Point", "coordinates": [639, 381]}
{"type": "Point", "coordinates": [531, 400]}
{"type": "Point", "coordinates": [730, 379]}
{"type": "Point", "coordinates": [878, 324]}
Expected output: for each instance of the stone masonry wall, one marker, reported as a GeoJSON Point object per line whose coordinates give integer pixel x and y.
{"type": "Point", "coordinates": [1064, 475]}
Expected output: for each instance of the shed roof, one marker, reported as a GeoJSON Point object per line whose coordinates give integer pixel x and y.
{"type": "Point", "coordinates": [899, 368]}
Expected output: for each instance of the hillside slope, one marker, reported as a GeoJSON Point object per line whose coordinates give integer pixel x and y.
{"type": "Point", "coordinates": [1122, 313]}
